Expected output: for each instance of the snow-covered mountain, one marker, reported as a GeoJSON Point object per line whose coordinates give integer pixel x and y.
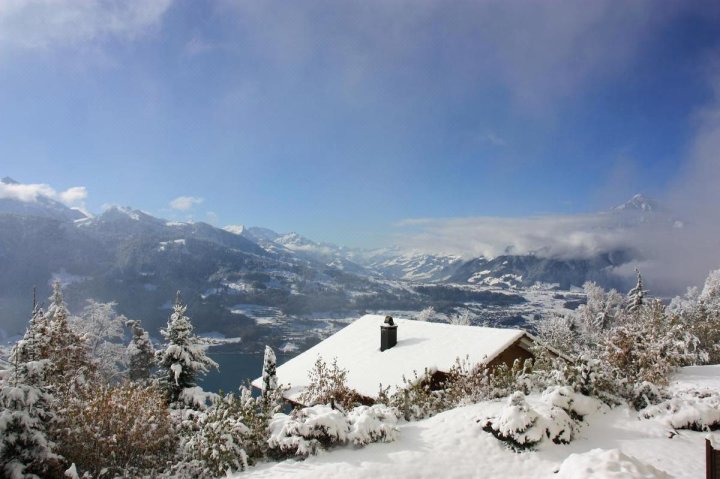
{"type": "Point", "coordinates": [13, 200]}
{"type": "Point", "coordinates": [638, 202]}
{"type": "Point", "coordinates": [294, 244]}
{"type": "Point", "coordinates": [411, 266]}
{"type": "Point", "coordinates": [139, 260]}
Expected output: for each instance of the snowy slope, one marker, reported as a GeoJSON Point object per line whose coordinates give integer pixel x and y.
{"type": "Point", "coordinates": [452, 445]}
{"type": "Point", "coordinates": [412, 266]}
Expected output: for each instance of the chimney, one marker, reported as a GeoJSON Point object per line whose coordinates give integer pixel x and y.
{"type": "Point", "coordinates": [388, 334]}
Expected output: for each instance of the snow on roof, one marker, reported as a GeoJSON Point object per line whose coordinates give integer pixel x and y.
{"type": "Point", "coordinates": [420, 345]}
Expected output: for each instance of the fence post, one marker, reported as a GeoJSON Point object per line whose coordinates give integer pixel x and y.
{"type": "Point", "coordinates": [708, 459]}
{"type": "Point", "coordinates": [711, 455]}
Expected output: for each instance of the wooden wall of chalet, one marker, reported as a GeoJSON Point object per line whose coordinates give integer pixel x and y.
{"type": "Point", "coordinates": [513, 352]}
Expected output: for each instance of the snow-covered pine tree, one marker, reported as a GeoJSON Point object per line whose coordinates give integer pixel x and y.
{"type": "Point", "coordinates": [140, 352]}
{"type": "Point", "coordinates": [34, 343]}
{"type": "Point", "coordinates": [70, 368]}
{"type": "Point", "coordinates": [636, 296]}
{"type": "Point", "coordinates": [25, 406]}
{"type": "Point", "coordinates": [269, 373]}
{"type": "Point", "coordinates": [184, 358]}
{"type": "Point", "coordinates": [25, 450]}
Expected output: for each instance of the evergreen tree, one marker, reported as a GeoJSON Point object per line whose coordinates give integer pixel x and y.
{"type": "Point", "coordinates": [34, 344]}
{"type": "Point", "coordinates": [25, 450]}
{"type": "Point", "coordinates": [636, 296]}
{"type": "Point", "coordinates": [140, 351]}
{"type": "Point", "coordinates": [24, 412]}
{"type": "Point", "coordinates": [184, 358]}
{"type": "Point", "coordinates": [269, 374]}
{"type": "Point", "coordinates": [70, 368]}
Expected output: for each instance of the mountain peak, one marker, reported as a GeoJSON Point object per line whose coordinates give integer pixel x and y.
{"type": "Point", "coordinates": [639, 202]}
{"type": "Point", "coordinates": [8, 181]}
{"type": "Point", "coordinates": [115, 212]}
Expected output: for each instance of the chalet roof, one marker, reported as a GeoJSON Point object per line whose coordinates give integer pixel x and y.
{"type": "Point", "coordinates": [420, 345]}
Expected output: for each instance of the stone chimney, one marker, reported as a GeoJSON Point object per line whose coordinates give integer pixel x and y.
{"type": "Point", "coordinates": [388, 334]}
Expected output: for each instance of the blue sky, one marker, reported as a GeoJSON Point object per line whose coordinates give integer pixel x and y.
{"type": "Point", "coordinates": [340, 120]}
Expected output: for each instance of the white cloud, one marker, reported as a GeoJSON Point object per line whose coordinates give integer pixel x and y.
{"type": "Point", "coordinates": [212, 217]}
{"type": "Point", "coordinates": [548, 236]}
{"type": "Point", "coordinates": [672, 257]}
{"type": "Point", "coordinates": [540, 52]}
{"type": "Point", "coordinates": [73, 196]}
{"type": "Point", "coordinates": [26, 193]}
{"type": "Point", "coordinates": [183, 203]}
{"type": "Point", "coordinates": [40, 24]}
{"type": "Point", "coordinates": [31, 192]}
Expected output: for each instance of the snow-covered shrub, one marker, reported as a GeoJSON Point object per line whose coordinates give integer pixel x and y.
{"type": "Point", "coordinates": [516, 424]}
{"type": "Point", "coordinates": [123, 429]}
{"type": "Point", "coordinates": [467, 383]}
{"type": "Point", "coordinates": [507, 379]}
{"type": "Point", "coordinates": [462, 318]}
{"type": "Point", "coordinates": [699, 311]}
{"type": "Point", "coordinates": [418, 397]}
{"type": "Point", "coordinates": [559, 332]}
{"type": "Point", "coordinates": [644, 394]}
{"type": "Point", "coordinates": [426, 314]}
{"type": "Point", "coordinates": [698, 410]}
{"type": "Point", "coordinates": [647, 348]}
{"type": "Point", "coordinates": [218, 447]}
{"type": "Point", "coordinates": [523, 427]}
{"type": "Point", "coordinates": [328, 384]}
{"type": "Point", "coordinates": [230, 435]}
{"type": "Point", "coordinates": [196, 397]}
{"type": "Point", "coordinates": [304, 431]}
{"type": "Point", "coordinates": [377, 423]}
{"type": "Point", "coordinates": [577, 405]}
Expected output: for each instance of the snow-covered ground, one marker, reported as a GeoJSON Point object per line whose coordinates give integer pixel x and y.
{"type": "Point", "coordinates": [612, 444]}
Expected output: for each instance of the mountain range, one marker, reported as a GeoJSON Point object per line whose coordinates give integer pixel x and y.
{"type": "Point", "coordinates": [140, 261]}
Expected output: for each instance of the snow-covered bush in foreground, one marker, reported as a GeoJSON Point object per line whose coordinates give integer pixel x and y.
{"type": "Point", "coordinates": [523, 427]}
{"type": "Point", "coordinates": [122, 429]}
{"type": "Point", "coordinates": [377, 423]}
{"type": "Point", "coordinates": [217, 447]}
{"type": "Point", "coordinates": [418, 398]}
{"type": "Point", "coordinates": [328, 383]}
{"type": "Point", "coordinates": [576, 405]}
{"type": "Point", "coordinates": [307, 430]}
{"type": "Point", "coordinates": [694, 409]}
{"type": "Point", "coordinates": [228, 436]}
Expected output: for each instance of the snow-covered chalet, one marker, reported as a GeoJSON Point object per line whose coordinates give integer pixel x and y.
{"type": "Point", "coordinates": [377, 351]}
